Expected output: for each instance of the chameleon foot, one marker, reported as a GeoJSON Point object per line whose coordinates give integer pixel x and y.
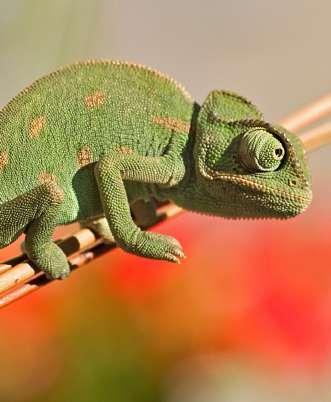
{"type": "Point", "coordinates": [50, 259]}
{"type": "Point", "coordinates": [157, 246]}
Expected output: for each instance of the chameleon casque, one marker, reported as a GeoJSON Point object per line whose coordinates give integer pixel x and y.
{"type": "Point", "coordinates": [84, 142]}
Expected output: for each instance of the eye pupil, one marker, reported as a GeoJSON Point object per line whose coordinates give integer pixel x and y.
{"type": "Point", "coordinates": [279, 152]}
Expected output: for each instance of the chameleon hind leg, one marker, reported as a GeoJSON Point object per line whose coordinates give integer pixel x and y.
{"type": "Point", "coordinates": [36, 214]}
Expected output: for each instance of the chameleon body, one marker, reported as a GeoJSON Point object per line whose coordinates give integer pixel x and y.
{"type": "Point", "coordinates": [86, 141]}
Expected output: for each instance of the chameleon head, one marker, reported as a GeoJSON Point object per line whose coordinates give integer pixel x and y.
{"type": "Point", "coordinates": [246, 167]}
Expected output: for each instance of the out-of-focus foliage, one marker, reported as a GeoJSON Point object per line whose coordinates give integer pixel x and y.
{"type": "Point", "coordinates": [247, 316]}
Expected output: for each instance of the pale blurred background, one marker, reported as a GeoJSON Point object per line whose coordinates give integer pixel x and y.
{"type": "Point", "coordinates": [248, 316]}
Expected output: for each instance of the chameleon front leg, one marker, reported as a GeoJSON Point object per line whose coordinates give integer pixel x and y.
{"type": "Point", "coordinates": [35, 213]}
{"type": "Point", "coordinates": [144, 214]}
{"type": "Point", "coordinates": [110, 173]}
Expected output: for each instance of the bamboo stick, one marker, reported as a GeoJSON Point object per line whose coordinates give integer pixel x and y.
{"type": "Point", "coordinates": [308, 114]}
{"type": "Point", "coordinates": [20, 278]}
{"type": "Point", "coordinates": [79, 242]}
{"type": "Point", "coordinates": [4, 268]}
{"type": "Point", "coordinates": [316, 137]}
{"type": "Point", "coordinates": [15, 276]}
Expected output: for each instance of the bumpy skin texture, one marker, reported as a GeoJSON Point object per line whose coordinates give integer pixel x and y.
{"type": "Point", "coordinates": [87, 140]}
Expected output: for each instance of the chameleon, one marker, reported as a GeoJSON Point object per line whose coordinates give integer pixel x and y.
{"type": "Point", "coordinates": [81, 144]}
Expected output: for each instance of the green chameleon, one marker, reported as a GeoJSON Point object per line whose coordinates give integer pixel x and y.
{"type": "Point", "coordinates": [84, 142]}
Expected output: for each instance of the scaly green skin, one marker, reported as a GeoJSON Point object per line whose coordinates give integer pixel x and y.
{"type": "Point", "coordinates": [88, 140]}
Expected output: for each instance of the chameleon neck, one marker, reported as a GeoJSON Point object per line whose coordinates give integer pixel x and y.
{"type": "Point", "coordinates": [177, 192]}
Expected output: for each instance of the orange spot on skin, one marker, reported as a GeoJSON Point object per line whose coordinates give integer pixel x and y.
{"type": "Point", "coordinates": [95, 100]}
{"type": "Point", "coordinates": [36, 125]}
{"type": "Point", "coordinates": [125, 150]}
{"type": "Point", "coordinates": [3, 159]}
{"type": "Point", "coordinates": [84, 156]}
{"type": "Point", "coordinates": [45, 177]}
{"type": "Point", "coordinates": [49, 179]}
{"type": "Point", "coordinates": [171, 123]}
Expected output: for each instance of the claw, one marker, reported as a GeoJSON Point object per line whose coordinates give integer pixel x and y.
{"type": "Point", "coordinates": [179, 253]}
{"type": "Point", "coordinates": [155, 245]}
{"type": "Point", "coordinates": [175, 242]}
{"type": "Point", "coordinates": [64, 275]}
{"type": "Point", "coordinates": [60, 276]}
{"type": "Point", "coordinates": [172, 258]}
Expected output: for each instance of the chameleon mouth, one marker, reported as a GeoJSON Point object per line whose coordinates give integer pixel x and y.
{"type": "Point", "coordinates": [299, 201]}
{"type": "Point", "coordinates": [306, 195]}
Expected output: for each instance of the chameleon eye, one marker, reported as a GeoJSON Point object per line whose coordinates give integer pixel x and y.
{"type": "Point", "coordinates": [259, 150]}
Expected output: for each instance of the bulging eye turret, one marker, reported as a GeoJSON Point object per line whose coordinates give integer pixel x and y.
{"type": "Point", "coordinates": [259, 151]}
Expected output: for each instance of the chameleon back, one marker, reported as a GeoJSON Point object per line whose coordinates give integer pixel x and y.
{"type": "Point", "coordinates": [68, 119]}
